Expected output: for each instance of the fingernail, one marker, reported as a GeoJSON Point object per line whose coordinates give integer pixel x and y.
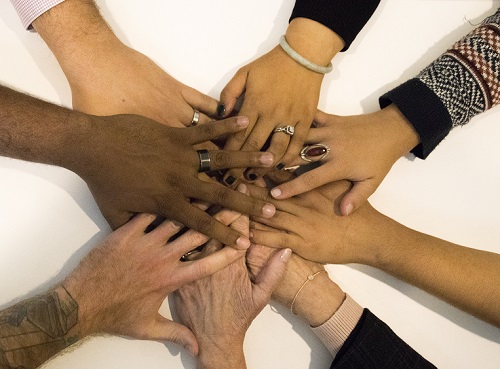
{"type": "Point", "coordinates": [242, 121]}
{"type": "Point", "coordinates": [243, 242]}
{"type": "Point", "coordinates": [276, 192]}
{"type": "Point", "coordinates": [190, 349]}
{"type": "Point", "coordinates": [285, 255]}
{"type": "Point", "coordinates": [268, 210]}
{"type": "Point", "coordinates": [267, 159]}
{"type": "Point", "coordinates": [230, 180]}
{"type": "Point", "coordinates": [250, 234]}
{"type": "Point", "coordinates": [280, 166]}
{"type": "Point", "coordinates": [348, 209]}
{"type": "Point", "coordinates": [221, 110]}
{"type": "Point", "coordinates": [252, 176]}
{"type": "Point", "coordinates": [242, 188]}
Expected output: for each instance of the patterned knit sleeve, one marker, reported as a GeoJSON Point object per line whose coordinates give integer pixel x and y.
{"type": "Point", "coordinates": [29, 10]}
{"type": "Point", "coordinates": [460, 84]}
{"type": "Point", "coordinates": [344, 17]}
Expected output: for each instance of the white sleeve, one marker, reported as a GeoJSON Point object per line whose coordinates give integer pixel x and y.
{"type": "Point", "coordinates": [29, 10]}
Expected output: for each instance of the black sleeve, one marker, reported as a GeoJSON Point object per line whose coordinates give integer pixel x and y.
{"type": "Point", "coordinates": [344, 17]}
{"type": "Point", "coordinates": [372, 344]}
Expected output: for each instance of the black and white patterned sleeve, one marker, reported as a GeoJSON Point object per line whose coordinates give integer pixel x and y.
{"type": "Point", "coordinates": [460, 84]}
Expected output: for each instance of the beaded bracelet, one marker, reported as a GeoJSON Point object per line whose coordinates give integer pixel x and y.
{"type": "Point", "coordinates": [310, 277]}
{"type": "Point", "coordinates": [303, 61]}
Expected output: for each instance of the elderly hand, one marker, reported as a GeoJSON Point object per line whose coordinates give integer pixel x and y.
{"type": "Point", "coordinates": [120, 285]}
{"type": "Point", "coordinates": [220, 308]}
{"type": "Point", "coordinates": [363, 149]}
{"type": "Point", "coordinates": [280, 92]}
{"type": "Point", "coordinates": [134, 165]}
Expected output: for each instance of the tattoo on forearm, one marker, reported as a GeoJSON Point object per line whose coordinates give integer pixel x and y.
{"type": "Point", "coordinates": [34, 330]}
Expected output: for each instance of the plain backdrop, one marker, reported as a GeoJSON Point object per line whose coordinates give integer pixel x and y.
{"type": "Point", "coordinates": [49, 220]}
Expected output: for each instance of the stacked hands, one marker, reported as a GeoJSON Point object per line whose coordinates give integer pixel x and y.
{"type": "Point", "coordinates": [161, 148]}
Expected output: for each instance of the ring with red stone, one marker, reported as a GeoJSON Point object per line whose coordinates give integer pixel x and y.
{"type": "Point", "coordinates": [314, 152]}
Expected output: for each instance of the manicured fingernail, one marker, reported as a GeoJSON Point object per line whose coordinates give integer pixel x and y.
{"type": "Point", "coordinates": [276, 192]}
{"type": "Point", "coordinates": [243, 242]}
{"type": "Point", "coordinates": [230, 180]}
{"type": "Point", "coordinates": [242, 121]}
{"type": "Point", "coordinates": [280, 166]}
{"type": "Point", "coordinates": [242, 188]}
{"type": "Point", "coordinates": [285, 255]}
{"type": "Point", "coordinates": [348, 209]}
{"type": "Point", "coordinates": [267, 159]}
{"type": "Point", "coordinates": [252, 176]}
{"type": "Point", "coordinates": [221, 110]}
{"type": "Point", "coordinates": [268, 210]}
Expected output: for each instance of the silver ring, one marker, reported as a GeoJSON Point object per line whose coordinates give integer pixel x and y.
{"type": "Point", "coordinates": [289, 130]}
{"type": "Point", "coordinates": [315, 152]}
{"type": "Point", "coordinates": [204, 160]}
{"type": "Point", "coordinates": [196, 118]}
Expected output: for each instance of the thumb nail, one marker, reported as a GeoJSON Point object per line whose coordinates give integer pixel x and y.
{"type": "Point", "coordinates": [190, 349]}
{"type": "Point", "coordinates": [348, 209]}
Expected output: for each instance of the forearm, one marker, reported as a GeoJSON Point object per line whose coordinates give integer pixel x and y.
{"type": "Point", "coordinates": [78, 36]}
{"type": "Point", "coordinates": [465, 277]}
{"type": "Point", "coordinates": [32, 331]}
{"type": "Point", "coordinates": [34, 130]}
{"type": "Point", "coordinates": [460, 84]}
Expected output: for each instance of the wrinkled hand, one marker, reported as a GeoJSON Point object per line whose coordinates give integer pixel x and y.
{"type": "Point", "coordinates": [363, 149]}
{"type": "Point", "coordinates": [120, 285]}
{"type": "Point", "coordinates": [124, 81]}
{"type": "Point", "coordinates": [136, 165]}
{"type": "Point", "coordinates": [278, 92]}
{"type": "Point", "coordinates": [312, 226]}
{"type": "Point", "coordinates": [220, 308]}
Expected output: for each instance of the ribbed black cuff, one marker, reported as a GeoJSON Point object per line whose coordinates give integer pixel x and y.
{"type": "Point", "coordinates": [424, 110]}
{"type": "Point", "coordinates": [344, 17]}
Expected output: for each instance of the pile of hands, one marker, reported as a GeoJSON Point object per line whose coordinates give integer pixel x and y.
{"type": "Point", "coordinates": [146, 146]}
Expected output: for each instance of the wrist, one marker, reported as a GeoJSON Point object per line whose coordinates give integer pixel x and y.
{"type": "Point", "coordinates": [313, 41]}
{"type": "Point", "coordinates": [399, 132]}
{"type": "Point", "coordinates": [213, 355]}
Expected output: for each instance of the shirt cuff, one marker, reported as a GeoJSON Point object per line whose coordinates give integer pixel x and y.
{"type": "Point", "coordinates": [29, 10]}
{"type": "Point", "coordinates": [334, 332]}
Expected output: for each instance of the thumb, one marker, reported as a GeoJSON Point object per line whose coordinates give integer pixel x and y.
{"type": "Point", "coordinates": [233, 90]}
{"type": "Point", "coordinates": [269, 277]}
{"type": "Point", "coordinates": [167, 330]}
{"type": "Point", "coordinates": [357, 196]}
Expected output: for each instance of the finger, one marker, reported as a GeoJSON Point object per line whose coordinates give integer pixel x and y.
{"type": "Point", "coordinates": [223, 159]}
{"type": "Point", "coordinates": [295, 146]}
{"type": "Point", "coordinates": [204, 223]}
{"type": "Point", "coordinates": [306, 182]}
{"type": "Point", "coordinates": [270, 276]}
{"type": "Point", "coordinates": [116, 218]}
{"type": "Point", "coordinates": [194, 270]}
{"type": "Point", "coordinates": [233, 90]}
{"type": "Point", "coordinates": [201, 102]}
{"type": "Point", "coordinates": [216, 193]}
{"type": "Point", "coordinates": [162, 233]}
{"type": "Point", "coordinates": [167, 330]}
{"type": "Point", "coordinates": [137, 225]}
{"type": "Point", "coordinates": [322, 119]}
{"type": "Point", "coordinates": [212, 130]}
{"type": "Point", "coordinates": [278, 147]}
{"type": "Point", "coordinates": [275, 239]}
{"type": "Point", "coordinates": [357, 196]}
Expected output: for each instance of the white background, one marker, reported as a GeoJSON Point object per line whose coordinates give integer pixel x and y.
{"type": "Point", "coordinates": [49, 220]}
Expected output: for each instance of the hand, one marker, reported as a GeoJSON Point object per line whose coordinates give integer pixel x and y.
{"type": "Point", "coordinates": [319, 298]}
{"type": "Point", "coordinates": [280, 92]}
{"type": "Point", "coordinates": [120, 285]}
{"type": "Point", "coordinates": [363, 149]}
{"type": "Point", "coordinates": [312, 226]}
{"type": "Point", "coordinates": [219, 309]}
{"type": "Point", "coordinates": [107, 77]}
{"type": "Point", "coordinates": [134, 165]}
{"type": "Point", "coordinates": [140, 87]}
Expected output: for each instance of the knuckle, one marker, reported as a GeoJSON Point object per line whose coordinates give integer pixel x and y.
{"type": "Point", "coordinates": [210, 129]}
{"type": "Point", "coordinates": [309, 180]}
{"type": "Point", "coordinates": [240, 137]}
{"type": "Point", "coordinates": [204, 224]}
{"type": "Point", "coordinates": [253, 144]}
{"type": "Point", "coordinates": [219, 195]}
